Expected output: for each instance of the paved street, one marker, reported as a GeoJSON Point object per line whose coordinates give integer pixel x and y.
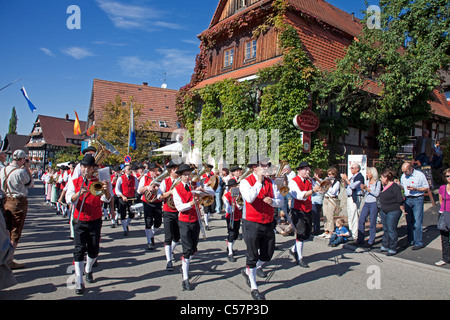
{"type": "Point", "coordinates": [127, 270]}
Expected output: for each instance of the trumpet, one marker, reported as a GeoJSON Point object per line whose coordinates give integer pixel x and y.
{"type": "Point", "coordinates": [96, 188]}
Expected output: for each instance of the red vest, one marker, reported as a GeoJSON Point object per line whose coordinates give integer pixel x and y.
{"type": "Point", "coordinates": [166, 208]}
{"type": "Point", "coordinates": [147, 182]}
{"type": "Point", "coordinates": [113, 184]}
{"type": "Point", "coordinates": [191, 214]}
{"type": "Point", "coordinates": [128, 186]}
{"type": "Point", "coordinates": [259, 211]}
{"type": "Point", "coordinates": [92, 207]}
{"type": "Point", "coordinates": [237, 211]}
{"type": "Point", "coordinates": [306, 205]}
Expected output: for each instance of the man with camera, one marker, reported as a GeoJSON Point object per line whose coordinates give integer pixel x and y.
{"type": "Point", "coordinates": [15, 180]}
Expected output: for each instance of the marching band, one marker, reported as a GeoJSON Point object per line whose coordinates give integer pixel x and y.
{"type": "Point", "coordinates": [173, 195]}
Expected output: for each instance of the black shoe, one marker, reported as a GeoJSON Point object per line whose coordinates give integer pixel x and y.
{"type": "Point", "coordinates": [90, 277]}
{"type": "Point", "coordinates": [261, 273]}
{"type": "Point", "coordinates": [247, 278]}
{"type": "Point", "coordinates": [125, 233]}
{"type": "Point", "coordinates": [79, 289]}
{"type": "Point", "coordinates": [169, 266]}
{"type": "Point", "coordinates": [256, 295]}
{"type": "Point", "coordinates": [207, 228]}
{"type": "Point", "coordinates": [416, 247]}
{"type": "Point", "coordinates": [294, 255]}
{"type": "Point", "coordinates": [302, 263]}
{"type": "Point", "coordinates": [186, 285]}
{"type": "Point", "coordinates": [151, 246]}
{"type": "Point", "coordinates": [231, 258]}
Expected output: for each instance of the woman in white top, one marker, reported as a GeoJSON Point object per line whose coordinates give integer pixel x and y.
{"type": "Point", "coordinates": [330, 203]}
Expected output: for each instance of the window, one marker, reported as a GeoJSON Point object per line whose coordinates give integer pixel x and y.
{"type": "Point", "coordinates": [250, 50]}
{"type": "Point", "coordinates": [228, 58]}
{"type": "Point", "coordinates": [163, 124]}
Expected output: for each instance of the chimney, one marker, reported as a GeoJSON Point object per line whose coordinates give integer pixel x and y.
{"type": "Point", "coordinates": [353, 16]}
{"type": "Point", "coordinates": [67, 117]}
{"type": "Point", "coordinates": [145, 84]}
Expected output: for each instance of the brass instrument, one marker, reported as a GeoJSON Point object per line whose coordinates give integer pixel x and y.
{"type": "Point", "coordinates": [284, 188]}
{"type": "Point", "coordinates": [326, 184]}
{"type": "Point", "coordinates": [169, 200]}
{"type": "Point", "coordinates": [105, 149]}
{"type": "Point", "coordinates": [151, 197]}
{"type": "Point", "coordinates": [198, 175]}
{"type": "Point", "coordinates": [246, 173]}
{"type": "Point", "coordinates": [96, 188]}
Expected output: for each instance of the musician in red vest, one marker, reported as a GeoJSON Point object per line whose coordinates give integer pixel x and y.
{"type": "Point", "coordinates": [260, 197]}
{"type": "Point", "coordinates": [152, 210]}
{"type": "Point", "coordinates": [170, 216]}
{"type": "Point", "coordinates": [231, 207]}
{"type": "Point", "coordinates": [301, 190]}
{"type": "Point", "coordinates": [211, 208]}
{"type": "Point", "coordinates": [114, 204]}
{"type": "Point", "coordinates": [87, 219]}
{"type": "Point", "coordinates": [188, 220]}
{"type": "Point", "coordinates": [126, 188]}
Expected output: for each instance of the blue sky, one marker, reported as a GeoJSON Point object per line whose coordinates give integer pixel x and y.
{"type": "Point", "coordinates": [130, 41]}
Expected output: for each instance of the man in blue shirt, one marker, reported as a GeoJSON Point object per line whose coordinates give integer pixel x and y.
{"type": "Point", "coordinates": [415, 185]}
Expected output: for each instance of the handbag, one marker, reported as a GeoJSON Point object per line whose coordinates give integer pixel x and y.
{"type": "Point", "coordinates": [444, 220]}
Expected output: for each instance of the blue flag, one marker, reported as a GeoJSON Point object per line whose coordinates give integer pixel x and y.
{"type": "Point", "coordinates": [32, 107]}
{"type": "Point", "coordinates": [132, 143]}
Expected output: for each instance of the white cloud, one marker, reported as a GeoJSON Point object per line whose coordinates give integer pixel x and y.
{"type": "Point", "coordinates": [48, 52]}
{"type": "Point", "coordinates": [174, 62]}
{"type": "Point", "coordinates": [77, 52]}
{"type": "Point", "coordinates": [127, 16]}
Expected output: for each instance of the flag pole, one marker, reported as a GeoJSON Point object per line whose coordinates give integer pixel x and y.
{"type": "Point", "coordinates": [10, 84]}
{"type": "Point", "coordinates": [129, 126]}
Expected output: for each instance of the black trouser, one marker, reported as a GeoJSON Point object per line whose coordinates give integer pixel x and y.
{"type": "Point", "coordinates": [260, 241]}
{"type": "Point", "coordinates": [302, 222]}
{"type": "Point", "coordinates": [233, 233]}
{"type": "Point", "coordinates": [152, 214]}
{"type": "Point", "coordinates": [445, 240]}
{"type": "Point", "coordinates": [210, 209]}
{"type": "Point", "coordinates": [171, 228]}
{"type": "Point", "coordinates": [123, 208]}
{"type": "Point", "coordinates": [86, 238]}
{"type": "Point", "coordinates": [189, 233]}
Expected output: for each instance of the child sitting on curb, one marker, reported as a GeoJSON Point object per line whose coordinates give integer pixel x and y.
{"type": "Point", "coordinates": [340, 235]}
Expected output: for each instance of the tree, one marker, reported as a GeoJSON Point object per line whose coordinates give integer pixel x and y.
{"type": "Point", "coordinates": [114, 127]}
{"type": "Point", "coordinates": [388, 75]}
{"type": "Point", "coordinates": [13, 122]}
{"type": "Point", "coordinates": [71, 153]}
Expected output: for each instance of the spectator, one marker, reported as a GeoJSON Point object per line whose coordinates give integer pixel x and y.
{"type": "Point", "coordinates": [16, 179]}
{"type": "Point", "coordinates": [370, 208]}
{"type": "Point", "coordinates": [7, 278]}
{"type": "Point", "coordinates": [331, 203]}
{"type": "Point", "coordinates": [391, 208]}
{"type": "Point", "coordinates": [444, 200]}
{"type": "Point", "coordinates": [423, 148]}
{"type": "Point", "coordinates": [317, 202]}
{"type": "Point", "coordinates": [354, 194]}
{"type": "Point", "coordinates": [415, 184]}
{"type": "Point", "coordinates": [2, 159]}
{"type": "Point", "coordinates": [436, 162]}
{"type": "Point", "coordinates": [340, 235]}
{"type": "Point", "coordinates": [219, 193]}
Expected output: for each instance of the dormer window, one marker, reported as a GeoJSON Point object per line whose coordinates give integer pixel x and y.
{"type": "Point", "coordinates": [163, 124]}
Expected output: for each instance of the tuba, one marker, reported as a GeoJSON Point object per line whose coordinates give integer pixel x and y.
{"type": "Point", "coordinates": [150, 197]}
{"type": "Point", "coordinates": [105, 149]}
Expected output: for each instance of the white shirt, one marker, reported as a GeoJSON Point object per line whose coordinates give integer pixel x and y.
{"type": "Point", "coordinates": [249, 193]}
{"type": "Point", "coordinates": [228, 206]}
{"type": "Point", "coordinates": [119, 186]}
{"type": "Point", "coordinates": [18, 182]}
{"type": "Point", "coordinates": [295, 191]}
{"type": "Point", "coordinates": [182, 207]}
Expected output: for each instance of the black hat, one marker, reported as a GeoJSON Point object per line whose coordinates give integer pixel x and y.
{"type": "Point", "coordinates": [257, 159]}
{"type": "Point", "coordinates": [72, 162]}
{"type": "Point", "coordinates": [91, 148]}
{"type": "Point", "coordinates": [172, 164]}
{"type": "Point", "coordinates": [209, 165]}
{"type": "Point", "coordinates": [184, 167]}
{"type": "Point", "coordinates": [232, 182]}
{"type": "Point", "coordinates": [303, 164]}
{"type": "Point", "coordinates": [152, 165]}
{"type": "Point", "coordinates": [117, 168]}
{"type": "Point", "coordinates": [88, 160]}
{"type": "Point", "coordinates": [235, 168]}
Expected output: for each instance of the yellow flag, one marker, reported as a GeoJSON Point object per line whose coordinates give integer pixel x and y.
{"type": "Point", "coordinates": [76, 126]}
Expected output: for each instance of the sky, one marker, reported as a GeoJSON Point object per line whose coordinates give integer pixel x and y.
{"type": "Point", "coordinates": [131, 41]}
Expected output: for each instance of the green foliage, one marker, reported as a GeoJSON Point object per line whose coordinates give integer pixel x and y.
{"type": "Point", "coordinates": [13, 122]}
{"type": "Point", "coordinates": [401, 78]}
{"type": "Point", "coordinates": [71, 153]}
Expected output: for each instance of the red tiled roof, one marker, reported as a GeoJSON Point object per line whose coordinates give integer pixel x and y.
{"type": "Point", "coordinates": [56, 130]}
{"type": "Point", "coordinates": [159, 104]}
{"type": "Point", "coordinates": [440, 105]}
{"type": "Point", "coordinates": [240, 73]}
